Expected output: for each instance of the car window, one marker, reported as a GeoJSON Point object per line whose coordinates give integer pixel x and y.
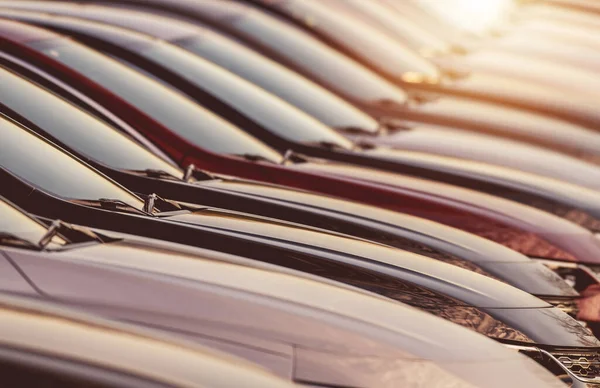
{"type": "Point", "coordinates": [173, 110]}
{"type": "Point", "coordinates": [76, 128]}
{"type": "Point", "coordinates": [262, 107]}
{"type": "Point", "coordinates": [47, 167]}
{"type": "Point", "coordinates": [286, 84]}
{"type": "Point", "coordinates": [386, 54]}
{"type": "Point", "coordinates": [14, 222]}
{"type": "Point", "coordinates": [322, 63]}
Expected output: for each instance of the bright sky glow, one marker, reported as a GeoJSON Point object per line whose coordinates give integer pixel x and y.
{"type": "Point", "coordinates": [471, 15]}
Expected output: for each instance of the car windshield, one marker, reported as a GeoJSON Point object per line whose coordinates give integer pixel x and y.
{"type": "Point", "coordinates": [76, 128]}
{"type": "Point", "coordinates": [173, 110]}
{"type": "Point", "coordinates": [277, 79]}
{"type": "Point", "coordinates": [380, 50]}
{"type": "Point", "coordinates": [48, 168]}
{"type": "Point", "coordinates": [314, 58]}
{"type": "Point", "coordinates": [16, 223]}
{"type": "Point", "coordinates": [269, 111]}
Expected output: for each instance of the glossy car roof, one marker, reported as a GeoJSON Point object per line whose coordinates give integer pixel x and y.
{"type": "Point", "coordinates": [131, 39]}
{"type": "Point", "coordinates": [21, 33]}
{"type": "Point", "coordinates": [37, 328]}
{"type": "Point", "coordinates": [227, 53]}
{"type": "Point", "coordinates": [144, 22]}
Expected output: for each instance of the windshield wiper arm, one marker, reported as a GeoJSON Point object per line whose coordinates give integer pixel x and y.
{"type": "Point", "coordinates": [191, 172]}
{"type": "Point", "coordinates": [58, 226]}
{"type": "Point", "coordinates": [111, 204]}
{"type": "Point", "coordinates": [11, 239]}
{"type": "Point", "coordinates": [152, 173]}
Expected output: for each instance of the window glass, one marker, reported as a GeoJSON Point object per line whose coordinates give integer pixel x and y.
{"type": "Point", "coordinates": [378, 49]}
{"type": "Point", "coordinates": [322, 63]}
{"type": "Point", "coordinates": [269, 111]}
{"type": "Point", "coordinates": [14, 222]}
{"type": "Point", "coordinates": [291, 87]}
{"type": "Point", "coordinates": [163, 104]}
{"type": "Point", "coordinates": [48, 168]}
{"type": "Point", "coordinates": [76, 128]}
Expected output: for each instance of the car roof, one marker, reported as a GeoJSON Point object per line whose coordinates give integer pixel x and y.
{"type": "Point", "coordinates": [144, 22]}
{"type": "Point", "coordinates": [21, 33]}
{"type": "Point", "coordinates": [132, 38]}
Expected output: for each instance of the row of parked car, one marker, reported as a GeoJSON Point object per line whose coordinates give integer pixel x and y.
{"type": "Point", "coordinates": [317, 193]}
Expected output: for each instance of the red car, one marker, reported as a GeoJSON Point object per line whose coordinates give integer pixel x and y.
{"type": "Point", "coordinates": [190, 134]}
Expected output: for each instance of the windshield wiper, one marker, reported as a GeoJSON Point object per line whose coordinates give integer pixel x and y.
{"type": "Point", "coordinates": [14, 240]}
{"type": "Point", "coordinates": [58, 226]}
{"type": "Point", "coordinates": [329, 145]}
{"type": "Point", "coordinates": [111, 204]}
{"type": "Point", "coordinates": [352, 130]}
{"type": "Point", "coordinates": [152, 173]}
{"type": "Point", "coordinates": [190, 174]}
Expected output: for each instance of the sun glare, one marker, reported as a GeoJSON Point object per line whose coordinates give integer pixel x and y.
{"type": "Point", "coordinates": [471, 15]}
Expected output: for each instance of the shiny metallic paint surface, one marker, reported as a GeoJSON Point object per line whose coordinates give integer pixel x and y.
{"type": "Point", "coordinates": [292, 179]}
{"type": "Point", "coordinates": [335, 336]}
{"type": "Point", "coordinates": [528, 280]}
{"type": "Point", "coordinates": [547, 189]}
{"type": "Point", "coordinates": [37, 328]}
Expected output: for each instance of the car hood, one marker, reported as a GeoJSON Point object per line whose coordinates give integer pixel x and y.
{"type": "Point", "coordinates": [497, 260]}
{"type": "Point", "coordinates": [459, 143]}
{"type": "Point", "coordinates": [510, 123]}
{"type": "Point", "coordinates": [563, 193]}
{"type": "Point", "coordinates": [284, 318]}
{"type": "Point", "coordinates": [552, 76]}
{"type": "Point", "coordinates": [458, 283]}
{"type": "Point", "coordinates": [482, 214]}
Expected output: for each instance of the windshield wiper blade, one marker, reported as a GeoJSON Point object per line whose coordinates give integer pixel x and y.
{"type": "Point", "coordinates": [152, 173]}
{"type": "Point", "coordinates": [329, 145]}
{"type": "Point", "coordinates": [111, 204]}
{"type": "Point", "coordinates": [190, 174]}
{"type": "Point", "coordinates": [14, 240]}
{"type": "Point", "coordinates": [356, 130]}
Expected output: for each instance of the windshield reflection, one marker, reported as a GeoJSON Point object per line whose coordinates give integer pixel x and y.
{"type": "Point", "coordinates": [14, 222]}
{"type": "Point", "coordinates": [47, 167]}
{"type": "Point", "coordinates": [186, 118]}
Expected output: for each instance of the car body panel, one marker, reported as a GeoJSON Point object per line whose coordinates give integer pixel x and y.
{"type": "Point", "coordinates": [394, 229]}
{"type": "Point", "coordinates": [268, 116]}
{"type": "Point", "coordinates": [495, 150]}
{"type": "Point", "coordinates": [337, 34]}
{"type": "Point", "coordinates": [96, 278]}
{"type": "Point", "coordinates": [223, 51]}
{"type": "Point", "coordinates": [282, 42]}
{"type": "Point", "coordinates": [235, 234]}
{"type": "Point", "coordinates": [37, 328]}
{"type": "Point", "coordinates": [262, 331]}
{"type": "Point", "coordinates": [484, 207]}
{"type": "Point", "coordinates": [524, 126]}
{"type": "Point", "coordinates": [382, 194]}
